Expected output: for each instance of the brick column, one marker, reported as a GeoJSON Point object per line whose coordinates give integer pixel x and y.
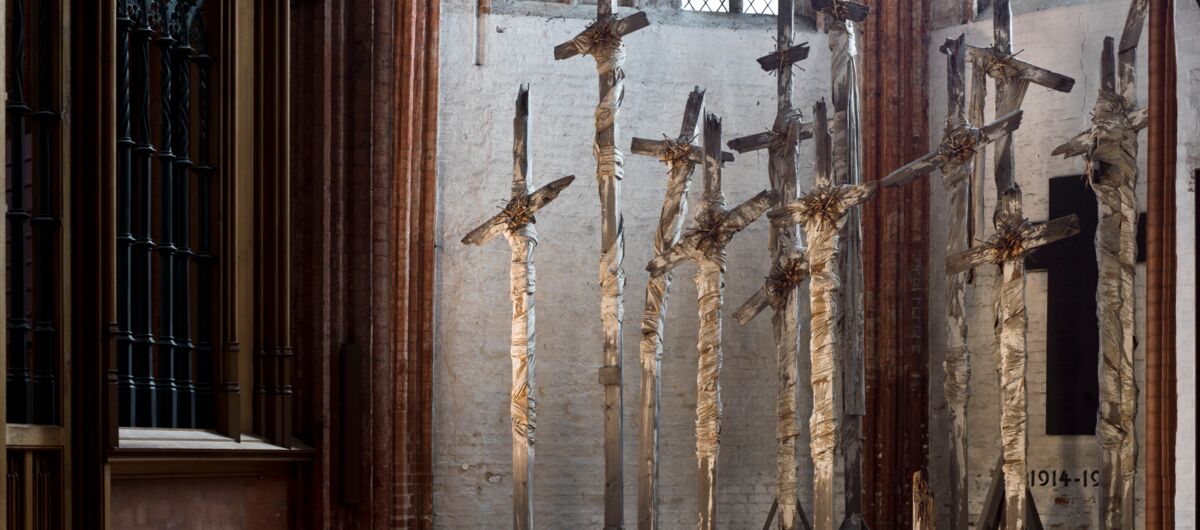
{"type": "Point", "coordinates": [895, 258]}
{"type": "Point", "coordinates": [364, 132]}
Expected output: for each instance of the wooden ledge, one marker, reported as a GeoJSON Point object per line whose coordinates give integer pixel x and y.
{"type": "Point", "coordinates": [26, 436]}
{"type": "Point", "coordinates": [211, 452]}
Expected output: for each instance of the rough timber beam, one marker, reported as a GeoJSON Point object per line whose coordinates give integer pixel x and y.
{"type": "Point", "coordinates": [1110, 150]}
{"type": "Point", "coordinates": [603, 40]}
{"type": "Point", "coordinates": [955, 158]}
{"type": "Point", "coordinates": [1014, 238]}
{"type": "Point", "coordinates": [705, 244]}
{"type": "Point", "coordinates": [516, 223]}
{"type": "Point", "coordinates": [681, 156]}
{"type": "Point", "coordinates": [841, 17]}
{"type": "Point", "coordinates": [823, 212]}
{"type": "Point", "coordinates": [789, 264]}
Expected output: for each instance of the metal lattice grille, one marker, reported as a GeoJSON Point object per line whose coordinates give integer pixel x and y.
{"type": "Point", "coordinates": [711, 6]}
{"type": "Point", "coordinates": [754, 7]}
{"type": "Point", "coordinates": [164, 215]}
{"type": "Point", "coordinates": [760, 7]}
{"type": "Point", "coordinates": [32, 181]}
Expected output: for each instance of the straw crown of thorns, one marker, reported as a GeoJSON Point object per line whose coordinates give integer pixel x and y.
{"type": "Point", "coordinates": [960, 144]}
{"type": "Point", "coordinates": [518, 213]}
{"type": "Point", "coordinates": [786, 276]}
{"type": "Point", "coordinates": [1009, 241]}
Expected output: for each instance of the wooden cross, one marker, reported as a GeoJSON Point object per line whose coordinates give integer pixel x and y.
{"type": "Point", "coordinates": [823, 212]}
{"type": "Point", "coordinates": [603, 41]}
{"type": "Point", "coordinates": [1110, 148]}
{"type": "Point", "coordinates": [789, 265]}
{"type": "Point", "coordinates": [681, 156]}
{"type": "Point", "coordinates": [841, 16]}
{"type": "Point", "coordinates": [1014, 238]}
{"type": "Point", "coordinates": [1013, 77]}
{"type": "Point", "coordinates": [955, 158]}
{"type": "Point", "coordinates": [704, 243]}
{"type": "Point", "coordinates": [516, 223]}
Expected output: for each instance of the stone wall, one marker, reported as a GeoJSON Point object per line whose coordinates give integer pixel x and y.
{"type": "Point", "coordinates": [1187, 53]}
{"type": "Point", "coordinates": [471, 376]}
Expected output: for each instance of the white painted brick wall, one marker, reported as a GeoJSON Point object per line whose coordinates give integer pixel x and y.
{"type": "Point", "coordinates": [1067, 39]}
{"type": "Point", "coordinates": [1187, 18]}
{"type": "Point", "coordinates": [471, 376]}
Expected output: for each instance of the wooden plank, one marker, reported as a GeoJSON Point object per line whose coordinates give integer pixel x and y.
{"type": "Point", "coordinates": [517, 221]}
{"type": "Point", "coordinates": [609, 172]}
{"type": "Point", "coordinates": [924, 512]}
{"type": "Point", "coordinates": [705, 244]}
{"type": "Point", "coordinates": [670, 224]}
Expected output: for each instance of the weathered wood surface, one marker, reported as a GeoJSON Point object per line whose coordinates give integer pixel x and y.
{"type": "Point", "coordinates": [1014, 238]}
{"type": "Point", "coordinates": [804, 525]}
{"type": "Point", "coordinates": [1013, 77]}
{"type": "Point", "coordinates": [924, 511]}
{"type": "Point", "coordinates": [841, 17]}
{"type": "Point", "coordinates": [1110, 150]}
{"type": "Point", "coordinates": [955, 157]}
{"type": "Point", "coordinates": [516, 222]}
{"type": "Point", "coordinates": [604, 41]}
{"type": "Point", "coordinates": [681, 156]}
{"type": "Point", "coordinates": [992, 517]}
{"type": "Point", "coordinates": [789, 265]}
{"type": "Point", "coordinates": [823, 213]}
{"type": "Point", "coordinates": [705, 244]}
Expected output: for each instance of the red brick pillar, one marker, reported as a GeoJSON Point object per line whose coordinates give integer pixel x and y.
{"type": "Point", "coordinates": [364, 133]}
{"type": "Point", "coordinates": [895, 58]}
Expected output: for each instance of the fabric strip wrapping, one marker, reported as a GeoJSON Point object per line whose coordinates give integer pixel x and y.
{"type": "Point", "coordinates": [1115, 152]}
{"type": "Point", "coordinates": [653, 319]}
{"type": "Point", "coordinates": [847, 169]}
{"type": "Point", "coordinates": [523, 408]}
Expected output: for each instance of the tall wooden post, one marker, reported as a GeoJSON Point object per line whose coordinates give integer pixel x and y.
{"type": "Point", "coordinates": [681, 156]}
{"type": "Point", "coordinates": [1110, 148]}
{"type": "Point", "coordinates": [1013, 77]}
{"type": "Point", "coordinates": [516, 223]}
{"type": "Point", "coordinates": [824, 211]}
{"type": "Point", "coordinates": [789, 265]}
{"type": "Point", "coordinates": [955, 157]}
{"type": "Point", "coordinates": [1015, 237]}
{"type": "Point", "coordinates": [603, 40]}
{"type": "Point", "coordinates": [841, 16]}
{"type": "Point", "coordinates": [705, 244]}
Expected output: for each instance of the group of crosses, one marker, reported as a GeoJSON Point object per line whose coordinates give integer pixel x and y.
{"type": "Point", "coordinates": [828, 258]}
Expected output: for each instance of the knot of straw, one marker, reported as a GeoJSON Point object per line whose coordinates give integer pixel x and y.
{"type": "Point", "coordinates": [786, 275]}
{"type": "Point", "coordinates": [824, 204]}
{"type": "Point", "coordinates": [674, 152]}
{"type": "Point", "coordinates": [709, 233]}
{"type": "Point", "coordinates": [1009, 241]}
{"type": "Point", "coordinates": [518, 213]}
{"type": "Point", "coordinates": [961, 143]}
{"type": "Point", "coordinates": [1001, 66]}
{"type": "Point", "coordinates": [840, 10]}
{"type": "Point", "coordinates": [602, 41]}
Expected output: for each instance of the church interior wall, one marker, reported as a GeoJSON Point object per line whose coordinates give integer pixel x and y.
{"type": "Point", "coordinates": [471, 374]}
